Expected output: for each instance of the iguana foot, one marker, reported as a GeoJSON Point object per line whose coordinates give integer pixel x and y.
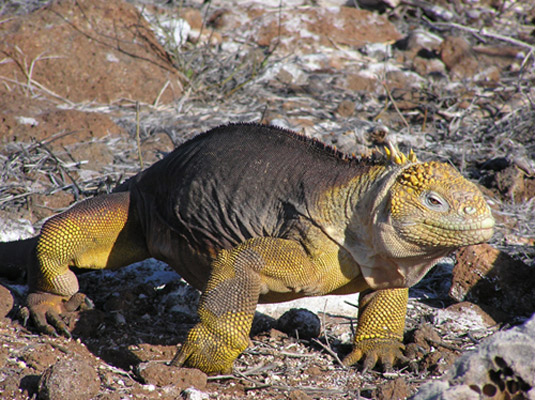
{"type": "Point", "coordinates": [206, 351]}
{"type": "Point", "coordinates": [385, 351]}
{"type": "Point", "coordinates": [49, 311]}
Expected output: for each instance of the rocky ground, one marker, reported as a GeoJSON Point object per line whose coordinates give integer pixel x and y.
{"type": "Point", "coordinates": [93, 91]}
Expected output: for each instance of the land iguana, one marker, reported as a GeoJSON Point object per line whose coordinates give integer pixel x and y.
{"type": "Point", "coordinates": [249, 213]}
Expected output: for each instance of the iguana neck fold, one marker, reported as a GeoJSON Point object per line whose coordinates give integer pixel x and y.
{"type": "Point", "coordinates": [356, 216]}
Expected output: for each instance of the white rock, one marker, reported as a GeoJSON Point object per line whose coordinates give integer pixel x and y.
{"type": "Point", "coordinates": [27, 121]}
{"type": "Point", "coordinates": [15, 229]}
{"type": "Point", "coordinates": [174, 31]}
{"type": "Point", "coordinates": [194, 394]}
{"type": "Point", "coordinates": [507, 356]}
{"type": "Point", "coordinates": [333, 304]}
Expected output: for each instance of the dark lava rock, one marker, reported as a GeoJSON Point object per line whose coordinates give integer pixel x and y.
{"type": "Point", "coordinates": [299, 322]}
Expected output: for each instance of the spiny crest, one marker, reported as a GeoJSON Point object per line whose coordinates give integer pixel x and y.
{"type": "Point", "coordinates": [395, 156]}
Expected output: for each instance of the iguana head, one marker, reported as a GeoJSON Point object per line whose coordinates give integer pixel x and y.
{"type": "Point", "coordinates": [423, 212]}
{"type": "Point", "coordinates": [434, 206]}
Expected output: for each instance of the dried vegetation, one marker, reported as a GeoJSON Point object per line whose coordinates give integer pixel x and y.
{"type": "Point", "coordinates": [458, 87]}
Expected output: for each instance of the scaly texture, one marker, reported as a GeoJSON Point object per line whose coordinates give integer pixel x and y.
{"type": "Point", "coordinates": [250, 213]}
{"type": "Point", "coordinates": [88, 236]}
{"type": "Point", "coordinates": [381, 321]}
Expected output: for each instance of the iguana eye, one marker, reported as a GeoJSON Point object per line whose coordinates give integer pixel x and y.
{"type": "Point", "coordinates": [435, 202]}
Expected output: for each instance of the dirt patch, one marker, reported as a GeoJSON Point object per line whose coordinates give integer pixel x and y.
{"type": "Point", "coordinates": [55, 128]}
{"type": "Point", "coordinates": [87, 51]}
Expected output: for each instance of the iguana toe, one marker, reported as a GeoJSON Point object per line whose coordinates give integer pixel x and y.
{"type": "Point", "coordinates": [193, 357]}
{"type": "Point", "coordinates": [206, 351]}
{"type": "Point", "coordinates": [49, 312]}
{"type": "Point", "coordinates": [78, 302]}
{"type": "Point", "coordinates": [371, 352]}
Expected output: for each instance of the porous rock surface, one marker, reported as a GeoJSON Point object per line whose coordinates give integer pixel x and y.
{"type": "Point", "coordinates": [501, 367]}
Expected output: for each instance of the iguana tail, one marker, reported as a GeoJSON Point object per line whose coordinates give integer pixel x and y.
{"type": "Point", "coordinates": [15, 257]}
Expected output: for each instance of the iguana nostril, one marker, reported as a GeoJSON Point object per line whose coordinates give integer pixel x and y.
{"type": "Point", "coordinates": [469, 210]}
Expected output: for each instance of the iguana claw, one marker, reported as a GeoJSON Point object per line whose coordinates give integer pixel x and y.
{"type": "Point", "coordinates": [207, 351]}
{"type": "Point", "coordinates": [386, 351]}
{"type": "Point", "coordinates": [49, 312]}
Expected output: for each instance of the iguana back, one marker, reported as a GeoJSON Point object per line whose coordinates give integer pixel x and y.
{"type": "Point", "coordinates": [234, 183]}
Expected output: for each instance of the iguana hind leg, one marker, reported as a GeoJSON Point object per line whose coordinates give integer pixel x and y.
{"type": "Point", "coordinates": [102, 232]}
{"type": "Point", "coordinates": [226, 312]}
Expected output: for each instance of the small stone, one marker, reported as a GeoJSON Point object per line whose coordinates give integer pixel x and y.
{"type": "Point", "coordinates": [346, 108]}
{"type": "Point", "coordinates": [438, 361]}
{"type": "Point", "coordinates": [457, 54]}
{"type": "Point", "coordinates": [424, 337]}
{"type": "Point", "coordinates": [3, 357]}
{"type": "Point", "coordinates": [421, 39]}
{"type": "Point", "coordinates": [69, 379]}
{"type": "Point", "coordinates": [6, 301]}
{"type": "Point", "coordinates": [313, 371]}
{"type": "Point", "coordinates": [361, 83]}
{"type": "Point", "coordinates": [466, 308]}
{"type": "Point", "coordinates": [193, 17]}
{"type": "Point", "coordinates": [301, 323]}
{"type": "Point", "coordinates": [453, 49]}
{"type": "Point", "coordinates": [276, 334]}
{"type": "Point", "coordinates": [160, 374]}
{"type": "Point", "coordinates": [39, 357]}
{"type": "Point", "coordinates": [262, 323]}
{"type": "Point", "coordinates": [514, 184]}
{"type": "Point", "coordinates": [424, 66]}
{"type": "Point", "coordinates": [194, 394]}
{"type": "Point", "coordinates": [393, 390]}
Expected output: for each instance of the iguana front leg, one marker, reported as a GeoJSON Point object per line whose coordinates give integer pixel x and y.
{"type": "Point", "coordinates": [381, 323]}
{"type": "Point", "coordinates": [229, 301]}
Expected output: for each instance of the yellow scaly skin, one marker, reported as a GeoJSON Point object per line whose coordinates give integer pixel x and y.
{"type": "Point", "coordinates": [380, 329]}
{"type": "Point", "coordinates": [97, 233]}
{"type": "Point", "coordinates": [378, 233]}
{"type": "Point", "coordinates": [238, 278]}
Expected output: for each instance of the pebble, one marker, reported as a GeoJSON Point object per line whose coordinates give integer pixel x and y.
{"type": "Point", "coordinates": [69, 379]}
{"type": "Point", "coordinates": [300, 322]}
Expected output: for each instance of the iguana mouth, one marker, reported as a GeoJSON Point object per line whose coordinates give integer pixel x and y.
{"type": "Point", "coordinates": [447, 234]}
{"type": "Point", "coordinates": [478, 225]}
{"type": "Point", "coordinates": [487, 223]}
